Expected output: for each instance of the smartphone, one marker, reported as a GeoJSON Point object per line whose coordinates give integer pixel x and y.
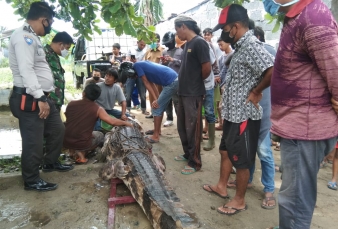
{"type": "Point", "coordinates": [132, 57]}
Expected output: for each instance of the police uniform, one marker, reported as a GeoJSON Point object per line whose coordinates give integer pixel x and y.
{"type": "Point", "coordinates": [32, 79]}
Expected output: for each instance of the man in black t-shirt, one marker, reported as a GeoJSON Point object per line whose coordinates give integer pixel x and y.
{"type": "Point", "coordinates": [195, 67]}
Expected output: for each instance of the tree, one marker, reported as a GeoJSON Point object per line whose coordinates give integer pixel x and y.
{"type": "Point", "coordinates": [85, 14]}
{"type": "Point", "coordinates": [151, 10]}
{"type": "Point", "coordinates": [3, 43]}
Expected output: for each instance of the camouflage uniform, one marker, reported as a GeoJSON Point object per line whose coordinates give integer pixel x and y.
{"type": "Point", "coordinates": [58, 74]}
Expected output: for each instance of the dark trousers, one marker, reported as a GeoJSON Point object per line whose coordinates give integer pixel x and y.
{"type": "Point", "coordinates": [189, 120]}
{"type": "Point", "coordinates": [169, 108]}
{"type": "Point", "coordinates": [33, 130]}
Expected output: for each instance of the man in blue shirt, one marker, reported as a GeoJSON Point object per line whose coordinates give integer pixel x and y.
{"type": "Point", "coordinates": [151, 74]}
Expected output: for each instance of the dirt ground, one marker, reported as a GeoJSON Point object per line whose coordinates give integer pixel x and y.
{"type": "Point", "coordinates": [81, 198]}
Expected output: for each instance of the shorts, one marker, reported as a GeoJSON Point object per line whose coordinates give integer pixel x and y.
{"type": "Point", "coordinates": [240, 140]}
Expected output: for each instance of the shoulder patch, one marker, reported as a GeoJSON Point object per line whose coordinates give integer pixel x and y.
{"type": "Point", "coordinates": [28, 39]}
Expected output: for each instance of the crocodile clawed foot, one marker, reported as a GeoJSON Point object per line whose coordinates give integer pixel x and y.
{"type": "Point", "coordinates": [120, 169]}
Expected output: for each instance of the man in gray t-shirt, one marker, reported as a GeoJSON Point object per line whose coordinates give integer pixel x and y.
{"type": "Point", "coordinates": [110, 93]}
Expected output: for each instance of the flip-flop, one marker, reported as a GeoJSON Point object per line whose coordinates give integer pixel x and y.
{"type": "Point", "coordinates": [233, 184]}
{"type": "Point", "coordinates": [266, 199]}
{"type": "Point", "coordinates": [190, 170]}
{"type": "Point", "coordinates": [214, 192]}
{"type": "Point", "coordinates": [150, 132]}
{"type": "Point", "coordinates": [81, 162]}
{"type": "Point", "coordinates": [332, 185]}
{"type": "Point", "coordinates": [180, 158]}
{"type": "Point", "coordinates": [150, 140]}
{"type": "Point", "coordinates": [232, 208]}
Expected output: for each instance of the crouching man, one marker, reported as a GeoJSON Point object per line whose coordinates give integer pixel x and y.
{"type": "Point", "coordinates": [81, 118]}
{"type": "Point", "coordinates": [151, 74]}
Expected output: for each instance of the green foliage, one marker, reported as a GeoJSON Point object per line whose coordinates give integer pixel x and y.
{"type": "Point", "coordinates": [279, 18]}
{"type": "Point", "coordinates": [224, 3]}
{"type": "Point", "coordinates": [4, 63]}
{"type": "Point", "coordinates": [119, 14]}
{"type": "Point", "coordinates": [10, 165]}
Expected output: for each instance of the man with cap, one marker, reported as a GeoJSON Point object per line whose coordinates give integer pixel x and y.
{"type": "Point", "coordinates": [30, 101]}
{"type": "Point", "coordinates": [248, 75]}
{"type": "Point", "coordinates": [172, 59]}
{"type": "Point", "coordinates": [304, 90]}
{"type": "Point", "coordinates": [195, 68]}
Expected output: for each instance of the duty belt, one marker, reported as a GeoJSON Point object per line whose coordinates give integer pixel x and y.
{"type": "Point", "coordinates": [22, 91]}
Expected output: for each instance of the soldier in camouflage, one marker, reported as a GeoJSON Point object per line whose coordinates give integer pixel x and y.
{"type": "Point", "coordinates": [59, 47]}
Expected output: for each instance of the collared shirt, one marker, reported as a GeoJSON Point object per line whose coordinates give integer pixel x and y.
{"type": "Point", "coordinates": [305, 75]}
{"type": "Point", "coordinates": [250, 60]}
{"type": "Point", "coordinates": [139, 54]}
{"type": "Point", "coordinates": [154, 55]}
{"type": "Point", "coordinates": [28, 63]}
{"type": "Point", "coordinates": [58, 73]}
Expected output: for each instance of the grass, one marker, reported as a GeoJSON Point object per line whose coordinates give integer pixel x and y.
{"type": "Point", "coordinates": [10, 165]}
{"type": "Point", "coordinates": [5, 75]}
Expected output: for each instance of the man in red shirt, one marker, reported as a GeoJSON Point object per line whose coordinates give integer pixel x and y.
{"type": "Point", "coordinates": [303, 82]}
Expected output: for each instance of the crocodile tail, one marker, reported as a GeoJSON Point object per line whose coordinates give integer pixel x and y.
{"type": "Point", "coordinates": [159, 202]}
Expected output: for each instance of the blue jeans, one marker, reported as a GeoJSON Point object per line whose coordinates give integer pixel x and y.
{"type": "Point", "coordinates": [208, 104]}
{"type": "Point", "coordinates": [167, 93]}
{"type": "Point", "coordinates": [115, 113]}
{"type": "Point", "coordinates": [298, 193]}
{"type": "Point", "coordinates": [141, 90]}
{"type": "Point", "coordinates": [134, 97]}
{"type": "Point", "coordinates": [265, 155]}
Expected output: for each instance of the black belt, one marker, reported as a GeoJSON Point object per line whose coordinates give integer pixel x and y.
{"type": "Point", "coordinates": [22, 91]}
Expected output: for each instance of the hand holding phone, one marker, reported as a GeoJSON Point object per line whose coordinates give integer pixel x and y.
{"type": "Point", "coordinates": [132, 57]}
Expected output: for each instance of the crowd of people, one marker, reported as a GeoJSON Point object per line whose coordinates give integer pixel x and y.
{"type": "Point", "coordinates": [255, 93]}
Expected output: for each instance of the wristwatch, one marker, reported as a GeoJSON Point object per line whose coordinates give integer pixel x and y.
{"type": "Point", "coordinates": [42, 99]}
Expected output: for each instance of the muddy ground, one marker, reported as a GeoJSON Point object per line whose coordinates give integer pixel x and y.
{"type": "Point", "coordinates": [81, 198]}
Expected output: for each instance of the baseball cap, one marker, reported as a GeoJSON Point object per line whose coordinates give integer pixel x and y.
{"type": "Point", "coordinates": [230, 14]}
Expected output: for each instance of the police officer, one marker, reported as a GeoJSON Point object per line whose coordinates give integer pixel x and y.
{"type": "Point", "coordinates": [29, 102]}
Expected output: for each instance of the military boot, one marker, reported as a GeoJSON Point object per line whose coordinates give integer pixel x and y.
{"type": "Point", "coordinates": [211, 142]}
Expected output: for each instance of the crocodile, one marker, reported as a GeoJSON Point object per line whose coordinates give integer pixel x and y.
{"type": "Point", "coordinates": [130, 158]}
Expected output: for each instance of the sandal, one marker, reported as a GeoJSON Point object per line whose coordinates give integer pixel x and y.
{"type": "Point", "coordinates": [208, 188]}
{"type": "Point", "coordinates": [180, 158]}
{"type": "Point", "coordinates": [266, 199]}
{"type": "Point", "coordinates": [233, 184]}
{"type": "Point", "coordinates": [190, 170]}
{"type": "Point", "coordinates": [332, 185]}
{"type": "Point", "coordinates": [231, 208]}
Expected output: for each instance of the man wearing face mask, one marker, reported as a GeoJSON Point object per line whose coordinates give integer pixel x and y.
{"type": "Point", "coordinates": [59, 47]}
{"type": "Point", "coordinates": [30, 102]}
{"type": "Point", "coordinates": [154, 54]}
{"type": "Point", "coordinates": [304, 88]}
{"type": "Point", "coordinates": [96, 78]}
{"type": "Point", "coordinates": [248, 75]}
